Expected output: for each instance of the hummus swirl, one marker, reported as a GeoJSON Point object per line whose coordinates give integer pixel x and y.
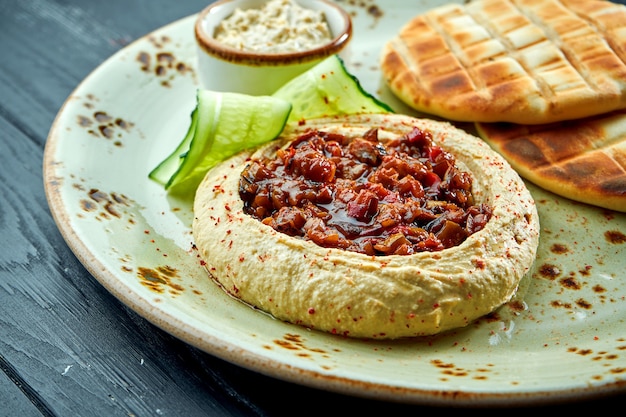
{"type": "Point", "coordinates": [359, 295]}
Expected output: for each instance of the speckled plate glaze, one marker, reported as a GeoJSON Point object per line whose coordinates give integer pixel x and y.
{"type": "Point", "coordinates": [562, 338]}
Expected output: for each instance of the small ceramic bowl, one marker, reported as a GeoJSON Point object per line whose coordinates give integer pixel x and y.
{"type": "Point", "coordinates": [227, 68]}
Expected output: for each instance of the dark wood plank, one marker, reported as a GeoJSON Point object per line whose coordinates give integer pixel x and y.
{"type": "Point", "coordinates": [13, 398]}
{"type": "Point", "coordinates": [68, 346]}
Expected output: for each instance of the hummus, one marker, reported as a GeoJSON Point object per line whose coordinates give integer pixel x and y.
{"type": "Point", "coordinates": [360, 295]}
{"type": "Point", "coordinates": [279, 26]}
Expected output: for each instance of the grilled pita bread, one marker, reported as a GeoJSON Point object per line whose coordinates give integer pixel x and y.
{"type": "Point", "coordinates": [583, 160]}
{"type": "Point", "coordinates": [520, 61]}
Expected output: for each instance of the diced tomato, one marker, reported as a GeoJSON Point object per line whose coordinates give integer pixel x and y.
{"type": "Point", "coordinates": [364, 207]}
{"type": "Point", "coordinates": [431, 180]}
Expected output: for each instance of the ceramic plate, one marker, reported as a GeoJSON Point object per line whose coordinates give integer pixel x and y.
{"type": "Point", "coordinates": [563, 337]}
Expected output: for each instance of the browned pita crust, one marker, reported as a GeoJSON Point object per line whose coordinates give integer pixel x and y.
{"type": "Point", "coordinates": [584, 160]}
{"type": "Point", "coordinates": [521, 61]}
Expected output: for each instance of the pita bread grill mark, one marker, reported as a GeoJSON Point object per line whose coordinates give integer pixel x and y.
{"type": "Point", "coordinates": [484, 54]}
{"type": "Point", "coordinates": [584, 160]}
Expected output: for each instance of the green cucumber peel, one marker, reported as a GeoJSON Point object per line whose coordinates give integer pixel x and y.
{"type": "Point", "coordinates": [224, 124]}
{"type": "Point", "coordinates": [328, 89]}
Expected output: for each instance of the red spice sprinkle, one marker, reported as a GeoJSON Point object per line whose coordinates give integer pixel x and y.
{"type": "Point", "coordinates": [311, 310]}
{"type": "Point", "coordinates": [242, 258]}
{"type": "Point", "coordinates": [480, 263]}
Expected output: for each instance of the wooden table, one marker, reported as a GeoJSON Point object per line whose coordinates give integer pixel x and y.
{"type": "Point", "coordinates": [67, 346]}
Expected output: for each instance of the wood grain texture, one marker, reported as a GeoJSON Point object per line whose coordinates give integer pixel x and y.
{"type": "Point", "coordinates": [67, 346]}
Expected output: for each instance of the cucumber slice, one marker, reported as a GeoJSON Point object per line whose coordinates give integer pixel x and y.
{"type": "Point", "coordinates": [328, 89]}
{"type": "Point", "coordinates": [225, 123]}
{"type": "Point", "coordinates": [164, 171]}
{"type": "Point", "coordinates": [222, 124]}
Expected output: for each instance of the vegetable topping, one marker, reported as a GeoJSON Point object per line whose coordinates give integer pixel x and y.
{"type": "Point", "coordinates": [359, 194]}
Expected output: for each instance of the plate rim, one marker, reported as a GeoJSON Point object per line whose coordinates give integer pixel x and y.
{"type": "Point", "coordinates": [236, 355]}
